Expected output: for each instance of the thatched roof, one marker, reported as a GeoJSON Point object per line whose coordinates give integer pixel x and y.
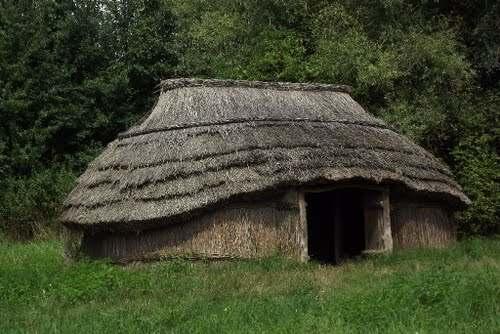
{"type": "Point", "coordinates": [209, 141]}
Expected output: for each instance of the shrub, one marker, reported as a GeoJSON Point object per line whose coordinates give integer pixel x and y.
{"type": "Point", "coordinates": [29, 205]}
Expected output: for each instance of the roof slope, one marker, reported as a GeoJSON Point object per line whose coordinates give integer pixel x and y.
{"type": "Point", "coordinates": [207, 141]}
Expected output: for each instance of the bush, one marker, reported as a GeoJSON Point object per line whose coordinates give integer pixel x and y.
{"type": "Point", "coordinates": [29, 205]}
{"type": "Point", "coordinates": [477, 165]}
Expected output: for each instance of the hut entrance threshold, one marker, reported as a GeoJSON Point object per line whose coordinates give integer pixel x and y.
{"type": "Point", "coordinates": [345, 223]}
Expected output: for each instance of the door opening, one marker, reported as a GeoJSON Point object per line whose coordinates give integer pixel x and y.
{"type": "Point", "coordinates": [335, 224]}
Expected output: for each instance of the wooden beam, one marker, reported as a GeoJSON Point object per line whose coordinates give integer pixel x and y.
{"type": "Point", "coordinates": [302, 228]}
{"type": "Point", "coordinates": [387, 232]}
{"type": "Point", "coordinates": [330, 187]}
{"type": "Point", "coordinates": [378, 237]}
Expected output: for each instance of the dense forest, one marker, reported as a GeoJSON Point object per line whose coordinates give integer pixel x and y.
{"type": "Point", "coordinates": [75, 73]}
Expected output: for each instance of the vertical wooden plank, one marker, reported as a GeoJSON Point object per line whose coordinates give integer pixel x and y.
{"type": "Point", "coordinates": [302, 228]}
{"type": "Point", "coordinates": [378, 237]}
{"type": "Point", "coordinates": [387, 232]}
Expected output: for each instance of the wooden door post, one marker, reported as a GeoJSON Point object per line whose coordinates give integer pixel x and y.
{"type": "Point", "coordinates": [378, 237]}
{"type": "Point", "coordinates": [302, 228]}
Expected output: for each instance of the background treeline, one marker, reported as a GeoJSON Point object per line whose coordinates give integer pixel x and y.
{"type": "Point", "coordinates": [74, 73]}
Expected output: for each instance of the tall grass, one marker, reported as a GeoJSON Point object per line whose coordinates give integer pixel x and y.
{"type": "Point", "coordinates": [425, 291]}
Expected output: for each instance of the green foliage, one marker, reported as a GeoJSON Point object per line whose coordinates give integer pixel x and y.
{"type": "Point", "coordinates": [29, 205]}
{"type": "Point", "coordinates": [447, 291]}
{"type": "Point", "coordinates": [72, 75]}
{"type": "Point", "coordinates": [75, 73]}
{"type": "Point", "coordinates": [406, 63]}
{"type": "Point", "coordinates": [477, 163]}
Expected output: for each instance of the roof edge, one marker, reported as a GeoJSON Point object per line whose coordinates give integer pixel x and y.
{"type": "Point", "coordinates": [170, 84]}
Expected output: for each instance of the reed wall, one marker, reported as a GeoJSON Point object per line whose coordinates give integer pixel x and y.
{"type": "Point", "coordinates": [418, 222]}
{"type": "Point", "coordinates": [239, 230]}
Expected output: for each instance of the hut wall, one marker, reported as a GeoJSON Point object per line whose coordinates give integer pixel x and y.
{"type": "Point", "coordinates": [417, 222]}
{"type": "Point", "coordinates": [240, 230]}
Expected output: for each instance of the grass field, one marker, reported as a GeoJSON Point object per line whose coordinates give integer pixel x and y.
{"type": "Point", "coordinates": [426, 291]}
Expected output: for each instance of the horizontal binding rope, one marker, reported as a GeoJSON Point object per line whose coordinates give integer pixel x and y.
{"type": "Point", "coordinates": [129, 134]}
{"type": "Point", "coordinates": [170, 84]}
{"type": "Point", "coordinates": [342, 153]}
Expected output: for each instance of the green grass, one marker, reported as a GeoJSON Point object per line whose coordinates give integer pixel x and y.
{"type": "Point", "coordinates": [427, 291]}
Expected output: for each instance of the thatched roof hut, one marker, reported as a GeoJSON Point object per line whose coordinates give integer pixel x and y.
{"type": "Point", "coordinates": [242, 168]}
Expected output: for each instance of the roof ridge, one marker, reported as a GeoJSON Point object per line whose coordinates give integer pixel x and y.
{"type": "Point", "coordinates": [170, 84]}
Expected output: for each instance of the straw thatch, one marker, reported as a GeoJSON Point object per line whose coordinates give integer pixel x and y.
{"type": "Point", "coordinates": [262, 227]}
{"type": "Point", "coordinates": [211, 141]}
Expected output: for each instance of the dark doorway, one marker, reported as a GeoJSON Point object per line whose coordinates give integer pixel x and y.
{"type": "Point", "coordinates": [335, 225]}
